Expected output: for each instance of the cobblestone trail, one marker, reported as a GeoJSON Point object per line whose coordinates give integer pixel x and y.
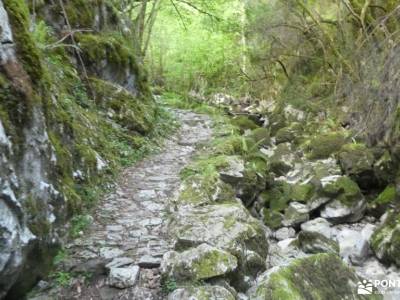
{"type": "Point", "coordinates": [129, 226]}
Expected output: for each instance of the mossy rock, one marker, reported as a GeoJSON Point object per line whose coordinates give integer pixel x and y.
{"type": "Point", "coordinates": [254, 181]}
{"type": "Point", "coordinates": [343, 189]}
{"type": "Point", "coordinates": [200, 190]}
{"type": "Point", "coordinates": [313, 243]}
{"type": "Point", "coordinates": [283, 159]}
{"type": "Point", "coordinates": [277, 121]}
{"type": "Point", "coordinates": [272, 219]}
{"type": "Point", "coordinates": [385, 241]}
{"type": "Point", "coordinates": [386, 198]}
{"type": "Point", "coordinates": [231, 145]}
{"type": "Point", "coordinates": [278, 197]}
{"type": "Point", "coordinates": [357, 161]}
{"type": "Point", "coordinates": [98, 47]}
{"type": "Point", "coordinates": [289, 134]}
{"type": "Point", "coordinates": [302, 192]}
{"type": "Point", "coordinates": [324, 145]}
{"type": "Point", "coordinates": [244, 123]}
{"type": "Point", "coordinates": [319, 276]}
{"type": "Point", "coordinates": [134, 113]}
{"type": "Point", "coordinates": [384, 168]}
{"type": "Point", "coordinates": [260, 136]}
{"type": "Point", "coordinates": [199, 263]}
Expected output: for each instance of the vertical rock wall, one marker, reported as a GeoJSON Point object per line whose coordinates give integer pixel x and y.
{"type": "Point", "coordinates": [45, 140]}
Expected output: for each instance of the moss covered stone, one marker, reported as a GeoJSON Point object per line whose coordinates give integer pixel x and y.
{"type": "Point", "coordinates": [302, 192]}
{"type": "Point", "coordinates": [383, 200]}
{"type": "Point", "coordinates": [278, 197]}
{"type": "Point", "coordinates": [260, 136]}
{"type": "Point", "coordinates": [320, 276]}
{"type": "Point", "coordinates": [272, 219]}
{"type": "Point", "coordinates": [18, 14]}
{"type": "Point", "coordinates": [356, 159]}
{"type": "Point", "coordinates": [199, 190]}
{"type": "Point", "coordinates": [244, 123]}
{"type": "Point", "coordinates": [202, 262]}
{"type": "Point", "coordinates": [282, 159]}
{"type": "Point", "coordinates": [313, 242]}
{"type": "Point", "coordinates": [384, 169]}
{"type": "Point", "coordinates": [324, 145]}
{"type": "Point", "coordinates": [343, 189]}
{"type": "Point", "coordinates": [134, 113]}
{"type": "Point", "coordinates": [385, 241]}
{"type": "Point", "coordinates": [289, 134]}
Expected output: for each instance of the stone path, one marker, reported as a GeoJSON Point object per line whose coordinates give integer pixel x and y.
{"type": "Point", "coordinates": [129, 228]}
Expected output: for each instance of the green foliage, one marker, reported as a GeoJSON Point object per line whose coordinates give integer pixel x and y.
{"type": "Point", "coordinates": [62, 279]}
{"type": "Point", "coordinates": [200, 55]}
{"type": "Point", "coordinates": [61, 256]}
{"type": "Point", "coordinates": [169, 285]}
{"type": "Point", "coordinates": [78, 224]}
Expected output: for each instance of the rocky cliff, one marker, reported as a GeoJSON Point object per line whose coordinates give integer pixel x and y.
{"type": "Point", "coordinates": [74, 104]}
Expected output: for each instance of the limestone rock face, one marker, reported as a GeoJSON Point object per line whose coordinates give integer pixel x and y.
{"type": "Point", "coordinates": [45, 149]}
{"type": "Point", "coordinates": [25, 164]}
{"type": "Point", "coordinates": [200, 263]}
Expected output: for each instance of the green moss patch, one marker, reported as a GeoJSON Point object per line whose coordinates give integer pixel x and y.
{"type": "Point", "coordinates": [325, 145]}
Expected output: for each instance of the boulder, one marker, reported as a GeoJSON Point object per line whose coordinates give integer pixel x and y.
{"type": "Point", "coordinates": [283, 253]}
{"type": "Point", "coordinates": [272, 219]}
{"type": "Point", "coordinates": [326, 144]}
{"type": "Point", "coordinates": [381, 203]}
{"type": "Point", "coordinates": [260, 136]}
{"type": "Point", "coordinates": [123, 277]}
{"type": "Point", "coordinates": [244, 123]}
{"type": "Point", "coordinates": [282, 159]}
{"type": "Point", "coordinates": [302, 192]}
{"type": "Point", "coordinates": [354, 245]}
{"type": "Point", "coordinates": [357, 161]}
{"type": "Point", "coordinates": [288, 134]}
{"type": "Point", "coordinates": [254, 181]}
{"type": "Point", "coordinates": [320, 276]}
{"type": "Point", "coordinates": [385, 241]}
{"type": "Point", "coordinates": [349, 204]}
{"type": "Point", "coordinates": [201, 293]}
{"type": "Point", "coordinates": [383, 168]}
{"type": "Point", "coordinates": [296, 214]}
{"type": "Point", "coordinates": [313, 242]}
{"type": "Point", "coordinates": [229, 227]}
{"type": "Point", "coordinates": [285, 233]}
{"type": "Point", "coordinates": [232, 173]}
{"type": "Point", "coordinates": [318, 225]}
{"type": "Point", "coordinates": [338, 212]}
{"type": "Point", "coordinates": [200, 263]}
{"type": "Point", "coordinates": [199, 190]}
{"type": "Point", "coordinates": [278, 196]}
